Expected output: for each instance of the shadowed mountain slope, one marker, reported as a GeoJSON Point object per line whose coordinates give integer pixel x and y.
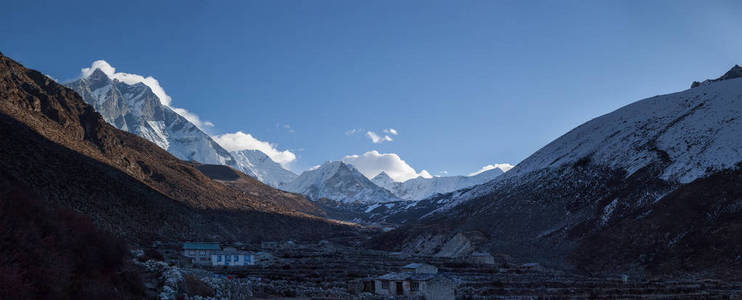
{"type": "Point", "coordinates": [58, 145]}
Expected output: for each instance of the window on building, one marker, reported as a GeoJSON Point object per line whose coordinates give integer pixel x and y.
{"type": "Point", "coordinates": [218, 258]}
{"type": "Point", "coordinates": [236, 258]}
{"type": "Point", "coordinates": [385, 284]}
{"type": "Point", "coordinates": [414, 286]}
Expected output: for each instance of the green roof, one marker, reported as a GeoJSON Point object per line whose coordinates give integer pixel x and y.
{"type": "Point", "coordinates": [201, 246]}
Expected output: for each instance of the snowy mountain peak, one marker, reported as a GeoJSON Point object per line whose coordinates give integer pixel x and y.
{"type": "Point", "coordinates": [420, 188]}
{"type": "Point", "coordinates": [339, 181]}
{"type": "Point", "coordinates": [384, 180]}
{"type": "Point", "coordinates": [688, 134]}
{"type": "Point", "coordinates": [258, 164]}
{"type": "Point", "coordinates": [382, 177]}
{"type": "Point", "coordinates": [135, 108]}
{"type": "Point", "coordinates": [98, 76]}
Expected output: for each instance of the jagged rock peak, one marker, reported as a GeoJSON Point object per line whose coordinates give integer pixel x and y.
{"type": "Point", "coordinates": [98, 79]}
{"type": "Point", "coordinates": [383, 175]}
{"type": "Point", "coordinates": [734, 72]}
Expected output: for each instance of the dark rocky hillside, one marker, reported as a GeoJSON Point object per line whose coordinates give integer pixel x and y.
{"type": "Point", "coordinates": [61, 148]}
{"type": "Point", "coordinates": [540, 217]}
{"type": "Point", "coordinates": [41, 245]}
{"type": "Point", "coordinates": [693, 229]}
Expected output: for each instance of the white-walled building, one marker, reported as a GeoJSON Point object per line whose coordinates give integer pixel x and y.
{"type": "Point", "coordinates": [232, 257]}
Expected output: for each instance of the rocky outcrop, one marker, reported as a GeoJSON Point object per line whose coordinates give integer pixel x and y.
{"type": "Point", "coordinates": [735, 72]}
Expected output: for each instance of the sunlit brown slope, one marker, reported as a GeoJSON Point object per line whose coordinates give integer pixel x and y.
{"type": "Point", "coordinates": [241, 182]}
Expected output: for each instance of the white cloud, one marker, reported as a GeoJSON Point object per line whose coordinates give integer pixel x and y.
{"type": "Point", "coordinates": [286, 127]}
{"type": "Point", "coordinates": [504, 167]}
{"type": "Point", "coordinates": [376, 139]}
{"type": "Point", "coordinates": [149, 81]}
{"type": "Point", "coordinates": [353, 131]}
{"type": "Point", "coordinates": [244, 141]}
{"type": "Point", "coordinates": [372, 163]}
{"type": "Point", "coordinates": [391, 131]}
{"type": "Point", "coordinates": [315, 167]}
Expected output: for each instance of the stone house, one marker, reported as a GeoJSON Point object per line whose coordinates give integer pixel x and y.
{"type": "Point", "coordinates": [200, 253]}
{"type": "Point", "coordinates": [415, 280]}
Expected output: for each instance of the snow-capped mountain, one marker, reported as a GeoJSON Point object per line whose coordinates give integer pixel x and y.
{"type": "Point", "coordinates": [686, 135]}
{"type": "Point", "coordinates": [263, 167]}
{"type": "Point", "coordinates": [611, 180]}
{"type": "Point", "coordinates": [136, 109]}
{"type": "Point", "coordinates": [341, 182]}
{"type": "Point", "coordinates": [420, 188]}
{"type": "Point", "coordinates": [696, 132]}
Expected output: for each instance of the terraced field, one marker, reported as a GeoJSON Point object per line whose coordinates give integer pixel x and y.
{"type": "Point", "coordinates": [340, 274]}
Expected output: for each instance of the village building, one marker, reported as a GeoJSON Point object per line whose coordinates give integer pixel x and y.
{"type": "Point", "coordinates": [232, 257]}
{"type": "Point", "coordinates": [200, 253]}
{"type": "Point", "coordinates": [416, 280]}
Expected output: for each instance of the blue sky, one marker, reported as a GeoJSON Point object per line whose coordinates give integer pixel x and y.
{"type": "Point", "coordinates": [465, 83]}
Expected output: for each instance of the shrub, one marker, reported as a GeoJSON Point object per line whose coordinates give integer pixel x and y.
{"type": "Point", "coordinates": [48, 253]}
{"type": "Point", "coordinates": [152, 254]}
{"type": "Point", "coordinates": [195, 286]}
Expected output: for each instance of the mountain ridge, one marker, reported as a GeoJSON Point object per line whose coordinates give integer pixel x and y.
{"type": "Point", "coordinates": [135, 108]}
{"type": "Point", "coordinates": [420, 188]}
{"type": "Point", "coordinates": [263, 167]}
{"type": "Point", "coordinates": [341, 182]}
{"type": "Point", "coordinates": [606, 182]}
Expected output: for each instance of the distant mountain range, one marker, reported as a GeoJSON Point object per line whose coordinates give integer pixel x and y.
{"type": "Point", "coordinates": [339, 181]}
{"type": "Point", "coordinates": [135, 108]}
{"type": "Point", "coordinates": [420, 188]}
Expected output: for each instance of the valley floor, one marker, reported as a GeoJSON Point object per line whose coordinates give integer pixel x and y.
{"type": "Point", "coordinates": [331, 271]}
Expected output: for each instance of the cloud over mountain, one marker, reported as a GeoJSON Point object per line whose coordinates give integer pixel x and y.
{"type": "Point", "coordinates": [372, 163]}
{"type": "Point", "coordinates": [149, 81]}
{"type": "Point", "coordinates": [504, 167]}
{"type": "Point", "coordinates": [239, 140]}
